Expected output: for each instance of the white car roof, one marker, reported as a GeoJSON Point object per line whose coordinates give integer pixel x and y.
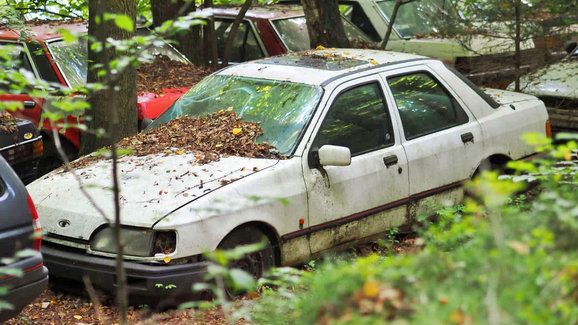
{"type": "Point", "coordinates": [315, 67]}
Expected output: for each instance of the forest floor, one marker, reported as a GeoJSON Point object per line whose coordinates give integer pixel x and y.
{"type": "Point", "coordinates": [57, 307]}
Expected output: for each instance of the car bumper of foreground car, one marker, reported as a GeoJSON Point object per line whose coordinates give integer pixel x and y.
{"type": "Point", "coordinates": [23, 290]}
{"type": "Point", "coordinates": [143, 280]}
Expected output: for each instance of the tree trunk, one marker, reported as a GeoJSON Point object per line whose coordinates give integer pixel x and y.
{"type": "Point", "coordinates": [210, 40]}
{"type": "Point", "coordinates": [113, 109]}
{"type": "Point", "coordinates": [518, 40]}
{"type": "Point", "coordinates": [187, 42]}
{"type": "Point", "coordinates": [233, 32]}
{"type": "Point", "coordinates": [324, 23]}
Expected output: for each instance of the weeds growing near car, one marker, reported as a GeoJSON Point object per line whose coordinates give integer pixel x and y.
{"type": "Point", "coordinates": [494, 260]}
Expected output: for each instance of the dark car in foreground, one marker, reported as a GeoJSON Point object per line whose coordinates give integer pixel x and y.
{"type": "Point", "coordinates": [23, 275]}
{"type": "Point", "coordinates": [21, 145]}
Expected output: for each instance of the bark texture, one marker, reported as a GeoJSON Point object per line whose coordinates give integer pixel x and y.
{"type": "Point", "coordinates": [188, 42]}
{"type": "Point", "coordinates": [324, 23]}
{"type": "Point", "coordinates": [112, 109]}
{"type": "Point", "coordinates": [233, 32]}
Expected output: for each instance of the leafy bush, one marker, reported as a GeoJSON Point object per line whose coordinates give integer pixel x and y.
{"type": "Point", "coordinates": [493, 260]}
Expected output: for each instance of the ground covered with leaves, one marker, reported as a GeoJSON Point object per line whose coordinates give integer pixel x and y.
{"type": "Point", "coordinates": [164, 73]}
{"type": "Point", "coordinates": [55, 308]}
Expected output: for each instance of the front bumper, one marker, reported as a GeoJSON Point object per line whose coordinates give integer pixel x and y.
{"type": "Point", "coordinates": [143, 280]}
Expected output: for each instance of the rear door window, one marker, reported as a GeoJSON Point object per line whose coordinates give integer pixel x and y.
{"type": "Point", "coordinates": [293, 32]}
{"type": "Point", "coordinates": [424, 105]}
{"type": "Point", "coordinates": [357, 16]}
{"type": "Point", "coordinates": [245, 46]}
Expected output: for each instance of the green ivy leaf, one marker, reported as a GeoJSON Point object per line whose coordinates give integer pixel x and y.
{"type": "Point", "coordinates": [242, 280]}
{"type": "Point", "coordinates": [124, 22]}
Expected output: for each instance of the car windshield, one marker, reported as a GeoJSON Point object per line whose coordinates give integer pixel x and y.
{"type": "Point", "coordinates": [283, 109]}
{"type": "Point", "coordinates": [72, 57]}
{"type": "Point", "coordinates": [420, 18]}
{"type": "Point", "coordinates": [293, 32]}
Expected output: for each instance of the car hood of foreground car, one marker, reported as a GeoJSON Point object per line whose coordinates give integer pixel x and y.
{"type": "Point", "coordinates": [150, 188]}
{"type": "Point", "coordinates": [556, 80]}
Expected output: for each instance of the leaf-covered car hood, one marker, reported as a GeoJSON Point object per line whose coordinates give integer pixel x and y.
{"type": "Point", "coordinates": [150, 188]}
{"type": "Point", "coordinates": [556, 80]}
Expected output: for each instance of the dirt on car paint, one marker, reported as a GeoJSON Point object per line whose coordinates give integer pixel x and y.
{"type": "Point", "coordinates": [165, 73]}
{"type": "Point", "coordinates": [209, 137]}
{"type": "Point", "coordinates": [7, 123]}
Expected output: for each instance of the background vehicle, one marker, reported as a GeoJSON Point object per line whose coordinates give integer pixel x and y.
{"type": "Point", "coordinates": [372, 139]}
{"type": "Point", "coordinates": [268, 31]}
{"type": "Point", "coordinates": [557, 86]}
{"type": "Point", "coordinates": [47, 56]}
{"type": "Point", "coordinates": [419, 29]}
{"type": "Point", "coordinates": [17, 233]}
{"type": "Point", "coordinates": [21, 145]}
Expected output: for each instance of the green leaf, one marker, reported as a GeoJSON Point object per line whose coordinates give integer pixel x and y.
{"type": "Point", "coordinates": [67, 36]}
{"type": "Point", "coordinates": [124, 22]}
{"type": "Point", "coordinates": [242, 280]}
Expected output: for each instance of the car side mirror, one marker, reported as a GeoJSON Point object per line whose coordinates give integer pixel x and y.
{"type": "Point", "coordinates": [334, 156]}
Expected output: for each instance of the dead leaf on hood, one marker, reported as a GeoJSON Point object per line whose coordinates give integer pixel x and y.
{"type": "Point", "coordinates": [7, 123]}
{"type": "Point", "coordinates": [207, 137]}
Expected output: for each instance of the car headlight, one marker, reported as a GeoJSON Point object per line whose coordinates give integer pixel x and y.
{"type": "Point", "coordinates": [137, 241]}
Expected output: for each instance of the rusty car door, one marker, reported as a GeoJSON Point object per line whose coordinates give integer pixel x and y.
{"type": "Point", "coordinates": [350, 203]}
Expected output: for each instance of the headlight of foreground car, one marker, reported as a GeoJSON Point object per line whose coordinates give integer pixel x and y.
{"type": "Point", "coordinates": [140, 242]}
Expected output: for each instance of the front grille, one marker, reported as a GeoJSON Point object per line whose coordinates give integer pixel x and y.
{"type": "Point", "coordinates": [63, 247]}
{"type": "Point", "coordinates": [24, 158]}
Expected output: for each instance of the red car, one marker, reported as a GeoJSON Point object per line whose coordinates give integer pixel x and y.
{"type": "Point", "coordinates": [269, 30]}
{"type": "Point", "coordinates": [47, 56]}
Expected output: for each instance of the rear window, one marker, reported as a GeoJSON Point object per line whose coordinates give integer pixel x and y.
{"type": "Point", "coordinates": [293, 32]}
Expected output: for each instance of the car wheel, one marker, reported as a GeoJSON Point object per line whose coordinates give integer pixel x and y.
{"type": "Point", "coordinates": [256, 264]}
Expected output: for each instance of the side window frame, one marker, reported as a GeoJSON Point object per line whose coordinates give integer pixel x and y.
{"type": "Point", "coordinates": [457, 102]}
{"type": "Point", "coordinates": [387, 111]}
{"type": "Point", "coordinates": [250, 27]}
{"type": "Point", "coordinates": [25, 49]}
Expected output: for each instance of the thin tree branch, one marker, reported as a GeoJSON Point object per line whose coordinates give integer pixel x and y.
{"type": "Point", "coordinates": [398, 4]}
{"type": "Point", "coordinates": [48, 12]}
{"type": "Point", "coordinates": [233, 32]}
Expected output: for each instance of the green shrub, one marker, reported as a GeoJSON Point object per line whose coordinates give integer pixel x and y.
{"type": "Point", "coordinates": [497, 259]}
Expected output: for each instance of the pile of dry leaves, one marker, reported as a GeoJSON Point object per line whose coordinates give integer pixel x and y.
{"type": "Point", "coordinates": [166, 73]}
{"type": "Point", "coordinates": [7, 123]}
{"type": "Point", "coordinates": [221, 133]}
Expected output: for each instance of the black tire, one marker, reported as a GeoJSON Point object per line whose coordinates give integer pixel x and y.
{"type": "Point", "coordinates": [256, 263]}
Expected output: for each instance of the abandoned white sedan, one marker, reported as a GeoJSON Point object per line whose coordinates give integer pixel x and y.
{"type": "Point", "coordinates": [371, 139]}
